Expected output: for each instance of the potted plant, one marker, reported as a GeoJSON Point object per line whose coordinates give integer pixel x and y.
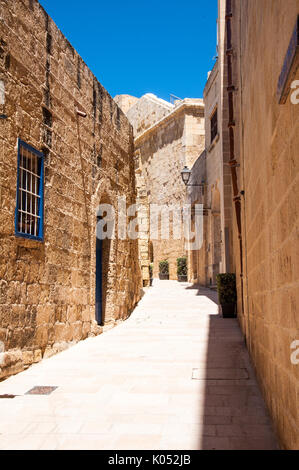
{"type": "Point", "coordinates": [164, 270]}
{"type": "Point", "coordinates": [182, 270]}
{"type": "Point", "coordinates": [151, 270]}
{"type": "Point", "coordinates": [227, 294]}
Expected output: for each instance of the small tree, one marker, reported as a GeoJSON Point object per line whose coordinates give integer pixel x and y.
{"type": "Point", "coordinates": [182, 268]}
{"type": "Point", "coordinates": [164, 267]}
{"type": "Point", "coordinates": [226, 286]}
{"type": "Point", "coordinates": [151, 270]}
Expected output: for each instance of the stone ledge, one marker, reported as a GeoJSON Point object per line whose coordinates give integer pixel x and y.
{"type": "Point", "coordinates": [185, 105]}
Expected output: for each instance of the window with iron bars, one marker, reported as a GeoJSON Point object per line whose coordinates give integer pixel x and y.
{"type": "Point", "coordinates": [29, 218]}
{"type": "Point", "coordinates": [214, 125]}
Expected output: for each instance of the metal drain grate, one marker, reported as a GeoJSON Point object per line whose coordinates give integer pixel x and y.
{"type": "Point", "coordinates": [41, 390]}
{"type": "Point", "coordinates": [8, 396]}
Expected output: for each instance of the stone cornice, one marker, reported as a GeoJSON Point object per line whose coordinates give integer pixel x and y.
{"type": "Point", "coordinates": [154, 99]}
{"type": "Point", "coordinates": [211, 78]}
{"type": "Point", "coordinates": [181, 108]}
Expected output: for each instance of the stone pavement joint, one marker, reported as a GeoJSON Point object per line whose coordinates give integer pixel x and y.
{"type": "Point", "coordinates": [132, 387]}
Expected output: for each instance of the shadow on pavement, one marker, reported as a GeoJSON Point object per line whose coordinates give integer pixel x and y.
{"type": "Point", "coordinates": [234, 413]}
{"type": "Point", "coordinates": [204, 291]}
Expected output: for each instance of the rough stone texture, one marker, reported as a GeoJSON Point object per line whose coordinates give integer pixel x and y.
{"type": "Point", "coordinates": [211, 259]}
{"type": "Point", "coordinates": [267, 150]}
{"type": "Point", "coordinates": [148, 110]}
{"type": "Point", "coordinates": [227, 209]}
{"type": "Point", "coordinates": [217, 254]}
{"type": "Point", "coordinates": [47, 290]}
{"type": "Point", "coordinates": [167, 137]}
{"type": "Point", "coordinates": [161, 152]}
{"type": "Point", "coordinates": [125, 102]}
{"type": "Point", "coordinates": [197, 259]}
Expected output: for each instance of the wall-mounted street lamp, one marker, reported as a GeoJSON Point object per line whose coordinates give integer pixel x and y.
{"type": "Point", "coordinates": [186, 174]}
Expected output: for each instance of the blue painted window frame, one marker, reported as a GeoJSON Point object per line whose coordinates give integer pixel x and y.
{"type": "Point", "coordinates": [40, 236]}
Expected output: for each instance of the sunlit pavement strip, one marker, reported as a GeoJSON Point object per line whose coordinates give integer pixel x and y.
{"type": "Point", "coordinates": [173, 376]}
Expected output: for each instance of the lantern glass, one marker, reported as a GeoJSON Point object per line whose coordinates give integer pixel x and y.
{"type": "Point", "coordinates": [186, 173]}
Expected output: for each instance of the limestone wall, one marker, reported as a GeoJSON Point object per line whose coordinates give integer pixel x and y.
{"type": "Point", "coordinates": [211, 258]}
{"type": "Point", "coordinates": [197, 259]}
{"type": "Point", "coordinates": [47, 289]}
{"type": "Point", "coordinates": [147, 111]}
{"type": "Point", "coordinates": [144, 244]}
{"type": "Point", "coordinates": [161, 153]}
{"type": "Point", "coordinates": [267, 150]}
{"type": "Point", "coordinates": [125, 102]}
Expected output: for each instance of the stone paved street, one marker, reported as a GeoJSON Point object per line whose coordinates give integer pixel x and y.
{"type": "Point", "coordinates": [173, 376]}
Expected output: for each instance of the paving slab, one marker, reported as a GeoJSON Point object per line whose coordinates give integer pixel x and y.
{"type": "Point", "coordinates": [175, 375]}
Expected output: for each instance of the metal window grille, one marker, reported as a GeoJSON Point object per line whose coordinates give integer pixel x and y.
{"type": "Point", "coordinates": [30, 187]}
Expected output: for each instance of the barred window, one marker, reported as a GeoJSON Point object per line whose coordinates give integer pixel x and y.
{"type": "Point", "coordinates": [30, 189]}
{"type": "Point", "coordinates": [214, 125]}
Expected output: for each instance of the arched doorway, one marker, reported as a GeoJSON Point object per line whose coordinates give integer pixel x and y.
{"type": "Point", "coordinates": [99, 280]}
{"type": "Point", "coordinates": [103, 253]}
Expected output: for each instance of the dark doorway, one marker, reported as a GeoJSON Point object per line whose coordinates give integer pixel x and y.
{"type": "Point", "coordinates": [99, 280]}
{"type": "Point", "coordinates": [102, 277]}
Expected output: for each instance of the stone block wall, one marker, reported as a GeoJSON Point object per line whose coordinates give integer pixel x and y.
{"type": "Point", "coordinates": [125, 102]}
{"type": "Point", "coordinates": [47, 289]}
{"type": "Point", "coordinates": [211, 258]}
{"type": "Point", "coordinates": [197, 259]}
{"type": "Point", "coordinates": [167, 137]}
{"type": "Point", "coordinates": [162, 151]}
{"type": "Point", "coordinates": [267, 150]}
{"type": "Point", "coordinates": [144, 244]}
{"type": "Point", "coordinates": [148, 110]}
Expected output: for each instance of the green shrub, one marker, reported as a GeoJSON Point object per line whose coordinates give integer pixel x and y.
{"type": "Point", "coordinates": [164, 267]}
{"type": "Point", "coordinates": [226, 287]}
{"type": "Point", "coordinates": [182, 266]}
{"type": "Point", "coordinates": [151, 270]}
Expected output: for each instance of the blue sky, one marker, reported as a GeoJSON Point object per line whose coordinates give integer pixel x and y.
{"type": "Point", "coordinates": [137, 47]}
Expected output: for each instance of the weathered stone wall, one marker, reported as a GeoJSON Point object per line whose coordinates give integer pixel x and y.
{"type": "Point", "coordinates": [212, 257]}
{"type": "Point", "coordinates": [267, 150]}
{"type": "Point", "coordinates": [125, 102]}
{"type": "Point", "coordinates": [143, 222]}
{"type": "Point", "coordinates": [197, 259]}
{"type": "Point", "coordinates": [161, 153]}
{"type": "Point", "coordinates": [147, 111]}
{"type": "Point", "coordinates": [214, 181]}
{"type": "Point", "coordinates": [227, 208]}
{"type": "Point", "coordinates": [143, 113]}
{"type": "Point", "coordinates": [47, 289]}
{"type": "Point", "coordinates": [167, 137]}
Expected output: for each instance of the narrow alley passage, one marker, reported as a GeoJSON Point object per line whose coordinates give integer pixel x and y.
{"type": "Point", "coordinates": [175, 375]}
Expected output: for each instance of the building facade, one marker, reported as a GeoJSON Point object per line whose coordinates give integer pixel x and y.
{"type": "Point", "coordinates": [65, 148]}
{"type": "Point", "coordinates": [213, 167]}
{"type": "Point", "coordinates": [167, 137]}
{"type": "Point", "coordinates": [263, 146]}
{"type": "Point", "coordinates": [214, 255]}
{"type": "Point", "coordinates": [251, 193]}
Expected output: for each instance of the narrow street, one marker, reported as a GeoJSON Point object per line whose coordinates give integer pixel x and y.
{"type": "Point", "coordinates": [175, 375]}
